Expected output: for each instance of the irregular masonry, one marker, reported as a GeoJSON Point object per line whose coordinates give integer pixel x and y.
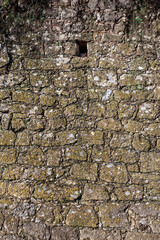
{"type": "Point", "coordinates": [80, 136]}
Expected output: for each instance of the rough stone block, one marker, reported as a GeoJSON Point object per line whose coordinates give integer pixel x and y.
{"type": "Point", "coordinates": [153, 129]}
{"type": "Point", "coordinates": [2, 187]}
{"type": "Point", "coordinates": [33, 156]}
{"type": "Point", "coordinates": [7, 138]}
{"type": "Point", "coordinates": [12, 172]}
{"type": "Point", "coordinates": [120, 140]}
{"type": "Point", "coordinates": [76, 153]}
{"type": "Point", "coordinates": [131, 80]}
{"type": "Point", "coordinates": [92, 234]}
{"type": "Point", "coordinates": [8, 156]}
{"type": "Point", "coordinates": [141, 236]}
{"type": "Point", "coordinates": [53, 157]}
{"type": "Point", "coordinates": [141, 143]}
{"type": "Point", "coordinates": [132, 126]}
{"type": "Point", "coordinates": [66, 137]}
{"type": "Point", "coordinates": [64, 233]}
{"type": "Point", "coordinates": [95, 192]}
{"type": "Point", "coordinates": [92, 137]}
{"type": "Point", "coordinates": [114, 215]}
{"type": "Point", "coordinates": [38, 79]}
{"type": "Point", "coordinates": [18, 190]}
{"type": "Point", "coordinates": [101, 154]}
{"type": "Point", "coordinates": [23, 96]}
{"type": "Point", "coordinates": [47, 100]}
{"type": "Point", "coordinates": [57, 193]}
{"type": "Point", "coordinates": [150, 162]}
{"type": "Point", "coordinates": [23, 138]}
{"type": "Point", "coordinates": [84, 171]}
{"type": "Point", "coordinates": [11, 224]}
{"type": "Point", "coordinates": [133, 192]}
{"type": "Point", "coordinates": [109, 124]}
{"type": "Point", "coordinates": [82, 216]}
{"type": "Point", "coordinates": [126, 110]}
{"type": "Point", "coordinates": [4, 93]}
{"type": "Point", "coordinates": [125, 155]}
{"type": "Point", "coordinates": [114, 173]}
{"type": "Point", "coordinates": [147, 110]}
{"type": "Point", "coordinates": [35, 230]}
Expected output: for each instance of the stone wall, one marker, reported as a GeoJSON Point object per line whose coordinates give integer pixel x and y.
{"type": "Point", "coordinates": [79, 135]}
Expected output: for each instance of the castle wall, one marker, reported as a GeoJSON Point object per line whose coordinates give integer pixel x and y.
{"type": "Point", "coordinates": [79, 126]}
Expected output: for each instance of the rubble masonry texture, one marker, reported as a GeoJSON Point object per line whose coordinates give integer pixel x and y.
{"type": "Point", "coordinates": [80, 136]}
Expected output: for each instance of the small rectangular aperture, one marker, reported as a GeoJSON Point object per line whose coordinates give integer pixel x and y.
{"type": "Point", "coordinates": [82, 49]}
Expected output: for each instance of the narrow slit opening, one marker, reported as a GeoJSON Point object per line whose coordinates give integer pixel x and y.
{"type": "Point", "coordinates": [82, 49]}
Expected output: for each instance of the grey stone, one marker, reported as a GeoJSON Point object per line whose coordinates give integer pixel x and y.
{"type": "Point", "coordinates": [64, 233]}
{"type": "Point", "coordinates": [36, 230]}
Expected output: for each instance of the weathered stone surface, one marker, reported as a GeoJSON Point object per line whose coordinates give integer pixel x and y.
{"type": "Point", "coordinates": [18, 123]}
{"type": "Point", "coordinates": [92, 110]}
{"type": "Point", "coordinates": [125, 155]}
{"type": "Point", "coordinates": [150, 162]}
{"type": "Point", "coordinates": [33, 156]}
{"type": "Point", "coordinates": [2, 187]}
{"type": "Point", "coordinates": [75, 153]}
{"type": "Point", "coordinates": [53, 157]}
{"type": "Point", "coordinates": [109, 124]}
{"type": "Point", "coordinates": [47, 139]}
{"type": "Point", "coordinates": [65, 137]}
{"type": "Point", "coordinates": [12, 172]}
{"type": "Point", "coordinates": [19, 190]}
{"type": "Point", "coordinates": [150, 209]}
{"type": "Point", "coordinates": [46, 214]}
{"type": "Point", "coordinates": [82, 216]}
{"type": "Point", "coordinates": [141, 236]}
{"type": "Point", "coordinates": [92, 234]}
{"type": "Point", "coordinates": [8, 156]}
{"type": "Point", "coordinates": [101, 154]}
{"type": "Point", "coordinates": [39, 80]}
{"type": "Point", "coordinates": [120, 140]}
{"type": "Point", "coordinates": [5, 120]}
{"type": "Point", "coordinates": [57, 123]}
{"type": "Point", "coordinates": [7, 138]}
{"type": "Point", "coordinates": [126, 110]}
{"type": "Point", "coordinates": [36, 124]}
{"type": "Point", "coordinates": [86, 171]}
{"type": "Point", "coordinates": [73, 110]}
{"type": "Point", "coordinates": [130, 79]}
{"type": "Point", "coordinates": [22, 139]}
{"type": "Point", "coordinates": [36, 231]}
{"type": "Point", "coordinates": [23, 96]}
{"type": "Point", "coordinates": [153, 129]}
{"type": "Point", "coordinates": [57, 193]}
{"type": "Point", "coordinates": [132, 126]}
{"type": "Point", "coordinates": [114, 173]}
{"type": "Point", "coordinates": [11, 224]}
{"type": "Point", "coordinates": [4, 93]}
{"type": "Point", "coordinates": [141, 143]}
{"type": "Point", "coordinates": [132, 192]}
{"type": "Point", "coordinates": [11, 237]}
{"type": "Point", "coordinates": [64, 233]}
{"type": "Point", "coordinates": [47, 100]}
{"type": "Point", "coordinates": [79, 121]}
{"type": "Point", "coordinates": [25, 210]}
{"type": "Point", "coordinates": [95, 192]}
{"type": "Point", "coordinates": [147, 110]}
{"type": "Point", "coordinates": [114, 215]}
{"type": "Point", "coordinates": [92, 137]}
{"type": "Point", "coordinates": [111, 109]}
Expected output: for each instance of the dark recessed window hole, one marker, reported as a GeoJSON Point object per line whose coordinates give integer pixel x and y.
{"type": "Point", "coordinates": [82, 49]}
